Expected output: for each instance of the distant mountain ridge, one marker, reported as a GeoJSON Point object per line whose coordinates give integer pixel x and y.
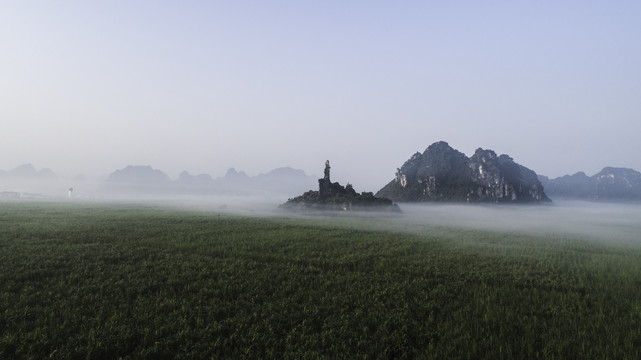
{"type": "Point", "coordinates": [138, 174]}
{"type": "Point", "coordinates": [145, 180]}
{"type": "Point", "coordinates": [442, 173]}
{"type": "Point", "coordinates": [438, 174]}
{"type": "Point", "coordinates": [25, 181]}
{"type": "Point", "coordinates": [28, 171]}
{"type": "Point", "coordinates": [610, 184]}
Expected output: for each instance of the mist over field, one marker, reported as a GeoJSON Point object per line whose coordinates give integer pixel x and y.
{"type": "Point", "coordinates": [602, 221]}
{"type": "Point", "coordinates": [609, 222]}
{"type": "Point", "coordinates": [606, 222]}
{"type": "Point", "coordinates": [594, 221]}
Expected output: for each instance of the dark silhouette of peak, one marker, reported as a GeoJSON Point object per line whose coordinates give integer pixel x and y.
{"type": "Point", "coordinates": [440, 146]}
{"type": "Point", "coordinates": [443, 173]}
{"type": "Point", "coordinates": [442, 161]}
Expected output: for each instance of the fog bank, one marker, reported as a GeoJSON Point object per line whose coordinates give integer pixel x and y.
{"type": "Point", "coordinates": [588, 220]}
{"type": "Point", "coordinates": [604, 222]}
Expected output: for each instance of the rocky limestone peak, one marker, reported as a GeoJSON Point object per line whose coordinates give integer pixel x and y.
{"type": "Point", "coordinates": [484, 155]}
{"type": "Point", "coordinates": [441, 161]}
{"type": "Point", "coordinates": [409, 169]}
{"type": "Point", "coordinates": [443, 173]}
{"type": "Point", "coordinates": [439, 146]}
{"type": "Point", "coordinates": [484, 163]}
{"type": "Point", "coordinates": [618, 183]}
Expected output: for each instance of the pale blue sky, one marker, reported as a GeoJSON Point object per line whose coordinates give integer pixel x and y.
{"type": "Point", "coordinates": [89, 87]}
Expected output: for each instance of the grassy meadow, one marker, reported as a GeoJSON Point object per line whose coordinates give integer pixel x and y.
{"type": "Point", "coordinates": [100, 281]}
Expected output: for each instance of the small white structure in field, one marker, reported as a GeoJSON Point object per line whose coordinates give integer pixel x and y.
{"type": "Point", "coordinates": [69, 193]}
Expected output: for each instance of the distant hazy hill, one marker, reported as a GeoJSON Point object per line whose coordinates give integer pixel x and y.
{"type": "Point", "coordinates": [285, 180]}
{"type": "Point", "coordinates": [138, 179]}
{"type": "Point", "coordinates": [610, 184]}
{"type": "Point", "coordinates": [194, 179]}
{"type": "Point", "coordinates": [28, 171]}
{"type": "Point", "coordinates": [194, 183]}
{"type": "Point", "coordinates": [442, 173]}
{"type": "Point", "coordinates": [26, 181]}
{"type": "Point", "coordinates": [145, 179]}
{"type": "Point", "coordinates": [138, 175]}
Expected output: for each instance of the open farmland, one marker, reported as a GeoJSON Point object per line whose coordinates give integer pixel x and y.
{"type": "Point", "coordinates": [108, 281]}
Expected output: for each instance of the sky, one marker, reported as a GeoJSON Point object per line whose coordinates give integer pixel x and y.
{"type": "Point", "coordinates": [88, 87]}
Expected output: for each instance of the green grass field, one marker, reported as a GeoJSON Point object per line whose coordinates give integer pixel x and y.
{"type": "Point", "coordinates": [123, 281]}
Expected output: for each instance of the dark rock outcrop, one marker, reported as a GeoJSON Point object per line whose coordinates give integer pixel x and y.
{"type": "Point", "coordinates": [610, 184]}
{"type": "Point", "coordinates": [442, 173]}
{"type": "Point", "coordinates": [333, 196]}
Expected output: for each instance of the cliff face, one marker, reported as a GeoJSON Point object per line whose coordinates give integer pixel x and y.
{"type": "Point", "coordinates": [442, 173]}
{"type": "Point", "coordinates": [610, 184]}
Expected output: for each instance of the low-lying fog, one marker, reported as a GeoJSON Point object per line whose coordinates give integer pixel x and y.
{"type": "Point", "coordinates": [589, 220]}
{"type": "Point", "coordinates": [610, 222]}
